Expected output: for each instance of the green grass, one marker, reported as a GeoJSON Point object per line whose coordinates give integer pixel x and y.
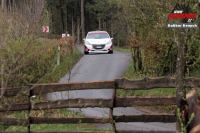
{"type": "Point", "coordinates": [126, 50]}
{"type": "Point", "coordinates": [65, 65]}
{"type": "Point", "coordinates": [56, 127]}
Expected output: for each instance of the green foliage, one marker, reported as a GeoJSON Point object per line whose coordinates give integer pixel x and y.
{"type": "Point", "coordinates": [3, 127]}
{"type": "Point", "coordinates": [153, 46]}
{"type": "Point", "coordinates": [50, 2]}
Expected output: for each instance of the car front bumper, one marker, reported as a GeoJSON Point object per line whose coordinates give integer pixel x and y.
{"type": "Point", "coordinates": [94, 49]}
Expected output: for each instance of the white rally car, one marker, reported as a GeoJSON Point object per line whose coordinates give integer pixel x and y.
{"type": "Point", "coordinates": [98, 42]}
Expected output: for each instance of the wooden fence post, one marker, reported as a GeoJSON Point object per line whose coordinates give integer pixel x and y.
{"type": "Point", "coordinates": [29, 110]}
{"type": "Point", "coordinates": [111, 111]}
{"type": "Point", "coordinates": [180, 73]}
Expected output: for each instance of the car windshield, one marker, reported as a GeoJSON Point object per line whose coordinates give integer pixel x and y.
{"type": "Point", "coordinates": [97, 36]}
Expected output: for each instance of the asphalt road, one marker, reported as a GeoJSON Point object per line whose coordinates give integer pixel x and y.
{"type": "Point", "coordinates": [104, 67]}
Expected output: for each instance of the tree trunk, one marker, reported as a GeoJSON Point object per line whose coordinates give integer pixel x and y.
{"type": "Point", "coordinates": [112, 33]}
{"type": "Point", "coordinates": [180, 72]}
{"type": "Point", "coordinates": [78, 31]}
{"type": "Point", "coordinates": [72, 24]}
{"type": "Point", "coordinates": [99, 24]}
{"type": "Point", "coordinates": [82, 19]}
{"type": "Point", "coordinates": [3, 5]}
{"type": "Point", "coordinates": [52, 19]}
{"type": "Point", "coordinates": [66, 23]}
{"type": "Point", "coordinates": [62, 18]}
{"type": "Point", "coordinates": [104, 25]}
{"type": "Point", "coordinates": [13, 7]}
{"type": "Point", "coordinates": [2, 78]}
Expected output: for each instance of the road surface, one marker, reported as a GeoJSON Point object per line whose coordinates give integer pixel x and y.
{"type": "Point", "coordinates": [104, 67]}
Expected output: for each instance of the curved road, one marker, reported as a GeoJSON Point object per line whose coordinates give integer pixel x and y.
{"type": "Point", "coordinates": [104, 67]}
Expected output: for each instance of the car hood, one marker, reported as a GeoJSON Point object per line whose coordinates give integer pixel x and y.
{"type": "Point", "coordinates": [98, 41]}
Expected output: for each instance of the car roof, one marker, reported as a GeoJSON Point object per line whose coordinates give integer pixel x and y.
{"type": "Point", "coordinates": [101, 32]}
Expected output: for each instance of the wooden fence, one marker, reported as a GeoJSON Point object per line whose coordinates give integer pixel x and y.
{"type": "Point", "coordinates": [126, 84]}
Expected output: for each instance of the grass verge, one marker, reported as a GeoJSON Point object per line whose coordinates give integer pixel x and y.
{"type": "Point", "coordinates": [65, 65]}
{"type": "Point", "coordinates": [126, 50]}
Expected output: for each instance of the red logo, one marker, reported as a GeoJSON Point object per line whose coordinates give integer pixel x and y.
{"type": "Point", "coordinates": [182, 16]}
{"type": "Point", "coordinates": [184, 12]}
{"type": "Point", "coordinates": [187, 16]}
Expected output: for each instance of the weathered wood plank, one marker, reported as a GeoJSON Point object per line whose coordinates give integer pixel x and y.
{"type": "Point", "coordinates": [69, 103]}
{"type": "Point", "coordinates": [14, 107]}
{"type": "Point", "coordinates": [111, 110]}
{"type": "Point", "coordinates": [192, 82]}
{"type": "Point", "coordinates": [82, 103]}
{"type": "Point", "coordinates": [73, 103]}
{"type": "Point", "coordinates": [46, 120]}
{"type": "Point", "coordinates": [123, 118]}
{"type": "Point", "coordinates": [22, 91]}
{"type": "Point", "coordinates": [142, 84]}
{"type": "Point", "coordinates": [13, 121]}
{"type": "Point", "coordinates": [56, 87]}
{"type": "Point", "coordinates": [143, 101]}
{"type": "Point", "coordinates": [145, 84]}
{"type": "Point", "coordinates": [145, 118]}
{"type": "Point", "coordinates": [151, 83]}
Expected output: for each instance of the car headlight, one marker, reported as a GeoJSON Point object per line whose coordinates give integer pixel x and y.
{"type": "Point", "coordinates": [109, 42]}
{"type": "Point", "coordinates": [87, 43]}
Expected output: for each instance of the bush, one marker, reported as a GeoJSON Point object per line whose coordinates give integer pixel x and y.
{"type": "Point", "coordinates": [27, 61]}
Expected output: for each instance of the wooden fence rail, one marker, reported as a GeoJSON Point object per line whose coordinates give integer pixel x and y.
{"type": "Point", "coordinates": [83, 103]}
{"type": "Point", "coordinates": [144, 84]}
{"type": "Point", "coordinates": [122, 118]}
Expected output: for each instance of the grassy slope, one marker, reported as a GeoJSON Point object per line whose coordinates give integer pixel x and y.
{"type": "Point", "coordinates": [54, 76]}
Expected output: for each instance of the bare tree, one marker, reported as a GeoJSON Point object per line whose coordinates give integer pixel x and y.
{"type": "Point", "coordinates": [78, 31]}
{"type": "Point", "coordinates": [3, 5]}
{"type": "Point", "coordinates": [23, 22]}
{"type": "Point", "coordinates": [82, 19]}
